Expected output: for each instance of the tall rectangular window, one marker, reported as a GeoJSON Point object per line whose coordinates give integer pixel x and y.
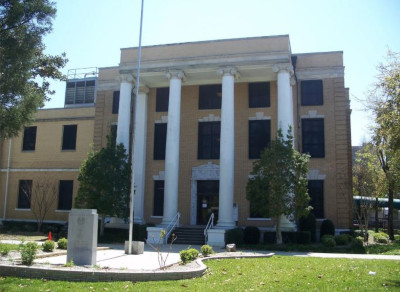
{"type": "Point", "coordinates": [69, 137]}
{"type": "Point", "coordinates": [160, 141]}
{"type": "Point", "coordinates": [158, 203]}
{"type": "Point", "coordinates": [24, 194]}
{"type": "Point", "coordinates": [115, 105]}
{"type": "Point", "coordinates": [259, 137]}
{"type": "Point", "coordinates": [259, 94]}
{"type": "Point", "coordinates": [29, 142]}
{"type": "Point", "coordinates": [316, 192]}
{"type": "Point", "coordinates": [312, 92]}
{"type": "Point", "coordinates": [65, 191]}
{"type": "Point", "coordinates": [113, 134]}
{"type": "Point", "coordinates": [209, 140]}
{"type": "Point", "coordinates": [210, 96]}
{"type": "Point", "coordinates": [313, 137]}
{"type": "Point", "coordinates": [162, 99]}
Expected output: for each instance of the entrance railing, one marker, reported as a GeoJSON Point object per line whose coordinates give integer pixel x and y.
{"type": "Point", "coordinates": [210, 225]}
{"type": "Point", "coordinates": [171, 226]}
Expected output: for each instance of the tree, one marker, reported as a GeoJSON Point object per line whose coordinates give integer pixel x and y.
{"type": "Point", "coordinates": [385, 103]}
{"type": "Point", "coordinates": [104, 179]}
{"type": "Point", "coordinates": [42, 198]}
{"type": "Point", "coordinates": [24, 67]}
{"type": "Point", "coordinates": [278, 182]}
{"type": "Point", "coordinates": [369, 182]}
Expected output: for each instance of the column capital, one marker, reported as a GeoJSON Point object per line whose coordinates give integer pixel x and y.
{"type": "Point", "coordinates": [126, 78]}
{"type": "Point", "coordinates": [283, 67]}
{"type": "Point", "coordinates": [175, 74]}
{"type": "Point", "coordinates": [232, 71]}
{"type": "Point", "coordinates": [143, 89]}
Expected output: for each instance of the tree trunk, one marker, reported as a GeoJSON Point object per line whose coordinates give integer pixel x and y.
{"type": "Point", "coordinates": [103, 218]}
{"type": "Point", "coordinates": [376, 215]}
{"type": "Point", "coordinates": [278, 230]}
{"type": "Point", "coordinates": [39, 226]}
{"type": "Point", "coordinates": [390, 215]}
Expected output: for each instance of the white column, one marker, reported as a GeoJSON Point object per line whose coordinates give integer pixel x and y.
{"type": "Point", "coordinates": [227, 149]}
{"type": "Point", "coordinates": [124, 110]}
{"type": "Point", "coordinates": [172, 147]}
{"type": "Point", "coordinates": [285, 99]}
{"type": "Point", "coordinates": [139, 153]}
{"type": "Point", "coordinates": [285, 116]}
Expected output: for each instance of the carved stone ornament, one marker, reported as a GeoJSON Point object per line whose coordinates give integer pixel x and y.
{"type": "Point", "coordinates": [127, 78]}
{"type": "Point", "coordinates": [179, 74]}
{"type": "Point", "coordinates": [283, 67]}
{"type": "Point", "coordinates": [228, 71]}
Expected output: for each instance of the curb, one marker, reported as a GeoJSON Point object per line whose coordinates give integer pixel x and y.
{"type": "Point", "coordinates": [113, 275]}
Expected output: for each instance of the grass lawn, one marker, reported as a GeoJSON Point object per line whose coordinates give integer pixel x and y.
{"type": "Point", "coordinates": [273, 274]}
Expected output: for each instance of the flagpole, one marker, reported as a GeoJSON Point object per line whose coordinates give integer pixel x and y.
{"type": "Point", "coordinates": [133, 161]}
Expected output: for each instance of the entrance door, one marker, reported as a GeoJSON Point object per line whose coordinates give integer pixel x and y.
{"type": "Point", "coordinates": [207, 200]}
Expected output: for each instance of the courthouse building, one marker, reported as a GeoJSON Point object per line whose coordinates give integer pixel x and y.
{"type": "Point", "coordinates": [204, 112]}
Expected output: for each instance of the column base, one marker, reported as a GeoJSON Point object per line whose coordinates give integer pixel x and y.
{"type": "Point", "coordinates": [138, 220]}
{"type": "Point", "coordinates": [216, 237]}
{"type": "Point", "coordinates": [226, 224]}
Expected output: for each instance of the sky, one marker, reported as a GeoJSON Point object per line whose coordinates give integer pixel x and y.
{"type": "Point", "coordinates": [92, 32]}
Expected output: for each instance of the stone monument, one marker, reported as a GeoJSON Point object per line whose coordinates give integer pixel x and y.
{"type": "Point", "coordinates": [82, 237]}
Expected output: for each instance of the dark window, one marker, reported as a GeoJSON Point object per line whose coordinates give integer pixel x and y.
{"type": "Point", "coordinates": [259, 94]}
{"type": "Point", "coordinates": [113, 134]}
{"type": "Point", "coordinates": [29, 141]}
{"type": "Point", "coordinates": [69, 137]}
{"type": "Point", "coordinates": [210, 96]}
{"type": "Point", "coordinates": [209, 140]}
{"type": "Point", "coordinates": [25, 194]}
{"type": "Point", "coordinates": [160, 140]}
{"type": "Point", "coordinates": [311, 92]}
{"type": "Point", "coordinates": [65, 194]}
{"type": "Point", "coordinates": [313, 137]}
{"type": "Point", "coordinates": [316, 192]}
{"type": "Point", "coordinates": [115, 105]}
{"type": "Point", "coordinates": [259, 137]}
{"type": "Point", "coordinates": [162, 99]}
{"type": "Point", "coordinates": [158, 204]}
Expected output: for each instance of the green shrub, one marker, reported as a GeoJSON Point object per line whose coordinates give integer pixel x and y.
{"type": "Point", "coordinates": [357, 242]}
{"type": "Point", "coordinates": [269, 237]}
{"type": "Point", "coordinates": [251, 235]}
{"type": "Point", "coordinates": [4, 250]}
{"type": "Point", "coordinates": [62, 243]}
{"type": "Point", "coordinates": [206, 250]}
{"type": "Point", "coordinates": [358, 233]}
{"type": "Point", "coordinates": [303, 237]}
{"type": "Point", "coordinates": [235, 236]}
{"type": "Point", "coordinates": [342, 239]}
{"type": "Point", "coordinates": [381, 237]}
{"type": "Point", "coordinates": [327, 228]}
{"type": "Point", "coordinates": [309, 223]}
{"type": "Point", "coordinates": [188, 255]}
{"type": "Point", "coordinates": [328, 240]}
{"type": "Point", "coordinates": [48, 245]}
{"type": "Point", "coordinates": [289, 237]}
{"type": "Point", "coordinates": [28, 252]}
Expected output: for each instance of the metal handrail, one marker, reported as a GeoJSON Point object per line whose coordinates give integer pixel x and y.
{"type": "Point", "coordinates": [210, 225]}
{"type": "Point", "coordinates": [171, 226]}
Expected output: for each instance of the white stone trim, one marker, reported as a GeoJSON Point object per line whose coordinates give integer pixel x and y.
{"type": "Point", "coordinates": [258, 219]}
{"type": "Point", "coordinates": [210, 118]}
{"type": "Point", "coordinates": [314, 174]}
{"type": "Point", "coordinates": [313, 114]}
{"type": "Point", "coordinates": [159, 176]}
{"type": "Point", "coordinates": [319, 73]}
{"type": "Point", "coordinates": [164, 120]}
{"type": "Point", "coordinates": [259, 116]}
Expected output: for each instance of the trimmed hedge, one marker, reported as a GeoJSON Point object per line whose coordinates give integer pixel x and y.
{"type": "Point", "coordinates": [188, 255]}
{"type": "Point", "coordinates": [234, 236]}
{"type": "Point", "coordinates": [300, 237]}
{"type": "Point", "coordinates": [327, 228]}
{"type": "Point", "coordinates": [328, 240]}
{"type": "Point", "coordinates": [309, 223]}
{"type": "Point", "coordinates": [251, 235]}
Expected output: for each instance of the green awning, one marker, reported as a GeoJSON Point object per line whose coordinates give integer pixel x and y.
{"type": "Point", "coordinates": [382, 202]}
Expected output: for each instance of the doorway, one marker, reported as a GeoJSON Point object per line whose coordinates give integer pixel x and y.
{"type": "Point", "coordinates": [207, 200]}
